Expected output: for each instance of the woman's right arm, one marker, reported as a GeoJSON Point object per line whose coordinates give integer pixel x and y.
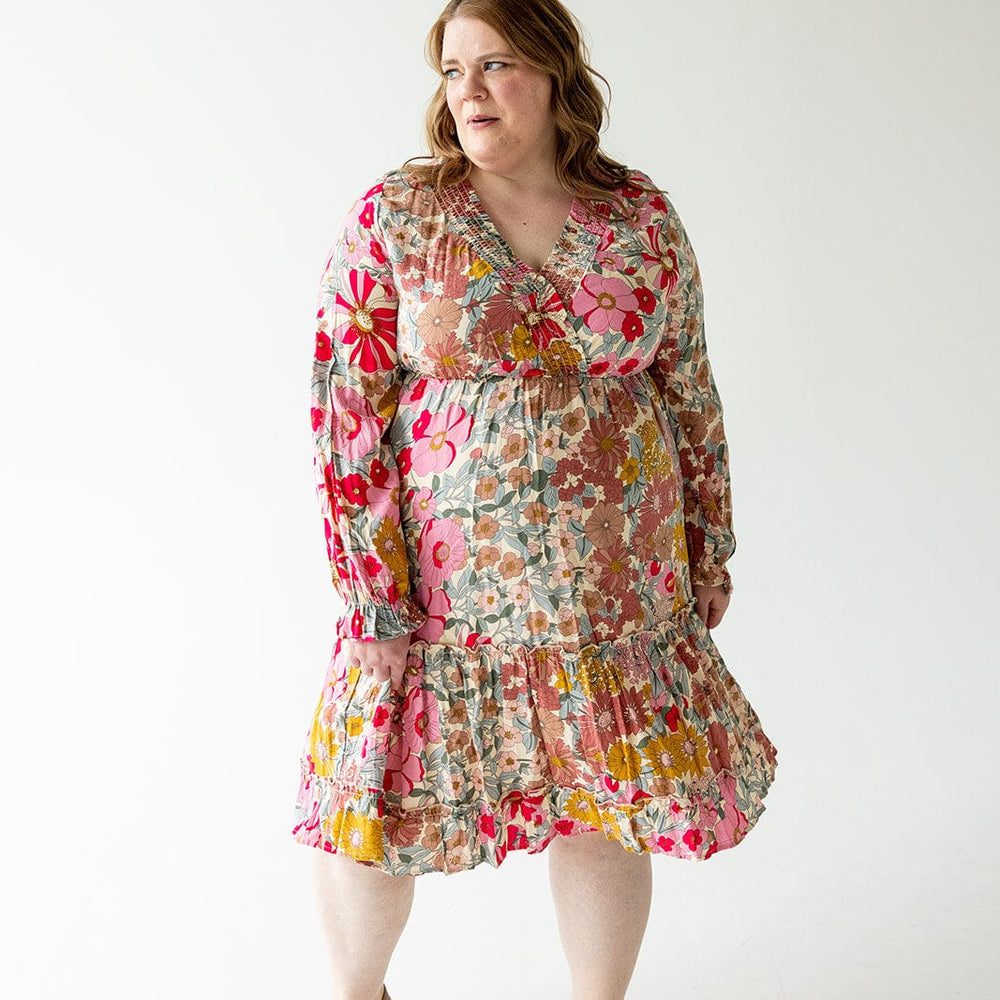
{"type": "Point", "coordinates": [355, 384]}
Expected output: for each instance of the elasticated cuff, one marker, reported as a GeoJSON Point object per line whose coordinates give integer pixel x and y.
{"type": "Point", "coordinates": [712, 575]}
{"type": "Point", "coordinates": [381, 620]}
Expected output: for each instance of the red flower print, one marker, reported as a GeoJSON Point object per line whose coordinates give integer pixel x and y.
{"type": "Point", "coordinates": [375, 249]}
{"type": "Point", "coordinates": [645, 298]}
{"type": "Point", "coordinates": [672, 718]}
{"type": "Point", "coordinates": [693, 838]}
{"type": "Point", "coordinates": [417, 390]}
{"type": "Point", "coordinates": [404, 461]}
{"type": "Point", "coordinates": [632, 327]}
{"type": "Point", "coordinates": [517, 838]}
{"type": "Point", "coordinates": [539, 319]}
{"type": "Point", "coordinates": [369, 329]}
{"type": "Point", "coordinates": [379, 474]}
{"type": "Point", "coordinates": [659, 250]}
{"type": "Point", "coordinates": [323, 351]}
{"type": "Point", "coordinates": [355, 489]}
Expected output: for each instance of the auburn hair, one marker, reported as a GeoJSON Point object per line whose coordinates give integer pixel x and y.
{"type": "Point", "coordinates": [546, 35]}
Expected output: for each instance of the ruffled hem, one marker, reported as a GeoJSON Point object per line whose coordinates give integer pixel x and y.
{"type": "Point", "coordinates": [504, 747]}
{"type": "Point", "coordinates": [460, 838]}
{"type": "Point", "coordinates": [381, 621]}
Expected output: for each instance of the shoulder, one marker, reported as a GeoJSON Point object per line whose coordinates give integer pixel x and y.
{"type": "Point", "coordinates": [399, 193]}
{"type": "Point", "coordinates": [659, 207]}
{"type": "Point", "coordinates": [647, 196]}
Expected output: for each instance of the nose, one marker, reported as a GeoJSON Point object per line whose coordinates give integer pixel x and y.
{"type": "Point", "coordinates": [471, 87]}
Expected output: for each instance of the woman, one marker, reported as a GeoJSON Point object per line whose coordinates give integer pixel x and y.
{"type": "Point", "coordinates": [524, 477]}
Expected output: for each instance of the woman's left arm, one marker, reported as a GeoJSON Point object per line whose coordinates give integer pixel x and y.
{"type": "Point", "coordinates": [683, 374]}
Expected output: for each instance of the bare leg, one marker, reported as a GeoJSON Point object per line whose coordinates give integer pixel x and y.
{"type": "Point", "coordinates": [364, 911]}
{"type": "Point", "coordinates": [602, 895]}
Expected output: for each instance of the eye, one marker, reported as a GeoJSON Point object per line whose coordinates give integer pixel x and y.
{"type": "Point", "coordinates": [448, 74]}
{"type": "Point", "coordinates": [494, 62]}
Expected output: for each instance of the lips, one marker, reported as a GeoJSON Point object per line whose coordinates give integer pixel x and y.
{"type": "Point", "coordinates": [479, 119]}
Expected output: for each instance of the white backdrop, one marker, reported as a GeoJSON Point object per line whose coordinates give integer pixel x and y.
{"type": "Point", "coordinates": [173, 175]}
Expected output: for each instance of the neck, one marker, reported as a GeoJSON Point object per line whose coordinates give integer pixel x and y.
{"type": "Point", "coordinates": [538, 180]}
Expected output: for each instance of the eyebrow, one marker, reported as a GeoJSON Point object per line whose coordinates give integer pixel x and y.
{"type": "Point", "coordinates": [482, 58]}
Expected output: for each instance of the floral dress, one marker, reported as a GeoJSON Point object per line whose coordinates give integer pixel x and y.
{"type": "Point", "coordinates": [526, 471]}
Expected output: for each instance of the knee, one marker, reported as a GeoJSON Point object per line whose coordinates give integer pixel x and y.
{"type": "Point", "coordinates": [591, 842]}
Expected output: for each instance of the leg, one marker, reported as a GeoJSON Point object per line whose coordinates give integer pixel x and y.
{"type": "Point", "coordinates": [364, 911]}
{"type": "Point", "coordinates": [602, 895]}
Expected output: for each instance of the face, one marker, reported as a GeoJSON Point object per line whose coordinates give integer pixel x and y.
{"type": "Point", "coordinates": [501, 105]}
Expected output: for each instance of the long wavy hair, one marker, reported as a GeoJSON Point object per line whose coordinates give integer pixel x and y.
{"type": "Point", "coordinates": [546, 35]}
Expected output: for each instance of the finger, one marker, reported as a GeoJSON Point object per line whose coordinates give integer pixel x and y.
{"type": "Point", "coordinates": [398, 673]}
{"type": "Point", "coordinates": [356, 663]}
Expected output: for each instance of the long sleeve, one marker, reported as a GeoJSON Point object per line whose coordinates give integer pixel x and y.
{"type": "Point", "coordinates": [355, 386]}
{"type": "Point", "coordinates": [683, 374]}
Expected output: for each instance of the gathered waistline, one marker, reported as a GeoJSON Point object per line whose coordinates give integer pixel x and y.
{"type": "Point", "coordinates": [411, 373]}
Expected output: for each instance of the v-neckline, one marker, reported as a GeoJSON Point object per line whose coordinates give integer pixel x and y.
{"type": "Point", "coordinates": [566, 230]}
{"type": "Point", "coordinates": [571, 257]}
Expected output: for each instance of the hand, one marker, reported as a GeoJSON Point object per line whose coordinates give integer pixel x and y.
{"type": "Point", "coordinates": [710, 603]}
{"type": "Point", "coordinates": [383, 659]}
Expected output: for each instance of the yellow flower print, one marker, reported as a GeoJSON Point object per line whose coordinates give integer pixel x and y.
{"type": "Point", "coordinates": [595, 675]}
{"type": "Point", "coordinates": [522, 346]}
{"type": "Point", "coordinates": [479, 269]}
{"type": "Point", "coordinates": [680, 542]}
{"type": "Point", "coordinates": [560, 356]}
{"type": "Point", "coordinates": [581, 806]}
{"type": "Point", "coordinates": [391, 550]}
{"type": "Point", "coordinates": [560, 678]}
{"type": "Point", "coordinates": [679, 600]}
{"type": "Point", "coordinates": [656, 459]}
{"type": "Point", "coordinates": [630, 470]}
{"type": "Point", "coordinates": [355, 725]}
{"type": "Point", "coordinates": [323, 748]}
{"type": "Point", "coordinates": [662, 758]}
{"type": "Point", "coordinates": [689, 749]}
{"type": "Point", "coordinates": [624, 761]}
{"type": "Point", "coordinates": [359, 837]}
